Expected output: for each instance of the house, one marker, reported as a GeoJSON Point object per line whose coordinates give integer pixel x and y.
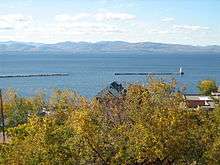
{"type": "Point", "coordinates": [113, 90]}
{"type": "Point", "coordinates": [199, 101]}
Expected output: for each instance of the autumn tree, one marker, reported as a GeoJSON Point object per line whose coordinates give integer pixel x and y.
{"type": "Point", "coordinates": [147, 125]}
{"type": "Point", "coordinates": [207, 86]}
{"type": "Point", "coordinates": [213, 154]}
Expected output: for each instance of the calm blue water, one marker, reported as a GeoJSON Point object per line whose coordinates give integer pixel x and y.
{"type": "Point", "coordinates": [90, 73]}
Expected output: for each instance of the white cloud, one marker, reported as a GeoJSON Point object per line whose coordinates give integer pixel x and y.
{"type": "Point", "coordinates": [6, 28]}
{"type": "Point", "coordinates": [114, 16]}
{"type": "Point", "coordinates": [86, 27]}
{"type": "Point", "coordinates": [167, 19]}
{"type": "Point", "coordinates": [14, 21]}
{"type": "Point", "coordinates": [163, 32]}
{"type": "Point", "coordinates": [100, 16]}
{"type": "Point", "coordinates": [66, 17]}
{"type": "Point", "coordinates": [190, 28]}
{"type": "Point", "coordinates": [96, 24]}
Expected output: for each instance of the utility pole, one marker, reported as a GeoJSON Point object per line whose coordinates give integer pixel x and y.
{"type": "Point", "coordinates": [2, 116]}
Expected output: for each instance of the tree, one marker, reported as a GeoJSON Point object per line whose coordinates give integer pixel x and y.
{"type": "Point", "coordinates": [213, 154]}
{"type": "Point", "coordinates": [207, 86]}
{"type": "Point", "coordinates": [148, 125]}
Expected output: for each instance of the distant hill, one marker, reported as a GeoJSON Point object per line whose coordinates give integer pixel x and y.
{"type": "Point", "coordinates": [105, 47]}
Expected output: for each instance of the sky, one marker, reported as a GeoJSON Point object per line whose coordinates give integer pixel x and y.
{"type": "Point", "coordinates": [193, 22]}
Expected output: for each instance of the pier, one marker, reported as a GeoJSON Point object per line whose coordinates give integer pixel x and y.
{"type": "Point", "coordinates": [34, 75]}
{"type": "Point", "coordinates": [147, 74]}
{"type": "Point", "coordinates": [151, 73]}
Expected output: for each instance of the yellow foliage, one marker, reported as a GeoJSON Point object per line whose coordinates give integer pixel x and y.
{"type": "Point", "coordinates": [148, 125]}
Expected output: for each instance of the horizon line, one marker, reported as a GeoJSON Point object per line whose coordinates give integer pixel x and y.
{"type": "Point", "coordinates": [91, 42]}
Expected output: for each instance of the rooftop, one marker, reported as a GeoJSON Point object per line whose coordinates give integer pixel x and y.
{"type": "Point", "coordinates": [114, 89]}
{"type": "Point", "coordinates": [198, 97]}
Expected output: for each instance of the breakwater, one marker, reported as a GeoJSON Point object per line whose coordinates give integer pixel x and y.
{"type": "Point", "coordinates": [180, 72]}
{"type": "Point", "coordinates": [149, 73]}
{"type": "Point", "coordinates": [34, 75]}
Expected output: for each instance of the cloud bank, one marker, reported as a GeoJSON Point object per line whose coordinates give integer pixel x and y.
{"type": "Point", "coordinates": [14, 21]}
{"type": "Point", "coordinates": [96, 26]}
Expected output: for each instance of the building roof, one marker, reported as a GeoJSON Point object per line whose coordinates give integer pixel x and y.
{"type": "Point", "coordinates": [205, 102]}
{"type": "Point", "coordinates": [198, 97]}
{"type": "Point", "coordinates": [114, 89]}
{"type": "Point", "coordinates": [215, 93]}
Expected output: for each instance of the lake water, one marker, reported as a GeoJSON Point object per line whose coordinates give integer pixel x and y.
{"type": "Point", "coordinates": [88, 74]}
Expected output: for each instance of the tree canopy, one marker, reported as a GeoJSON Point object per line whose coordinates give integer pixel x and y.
{"type": "Point", "coordinates": [148, 125]}
{"type": "Point", "coordinates": [207, 86]}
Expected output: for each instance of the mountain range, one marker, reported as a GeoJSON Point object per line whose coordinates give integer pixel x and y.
{"type": "Point", "coordinates": [106, 47]}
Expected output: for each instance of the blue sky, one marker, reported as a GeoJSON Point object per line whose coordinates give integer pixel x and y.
{"type": "Point", "coordinates": [195, 22]}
